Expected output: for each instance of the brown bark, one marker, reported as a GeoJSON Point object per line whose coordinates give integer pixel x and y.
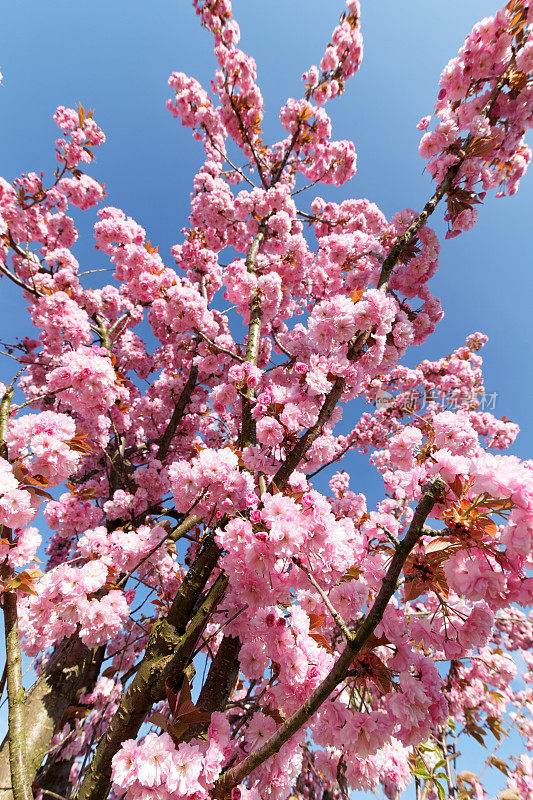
{"type": "Point", "coordinates": [20, 783]}
{"type": "Point", "coordinates": [219, 684]}
{"type": "Point", "coordinates": [46, 702]}
{"type": "Point", "coordinates": [171, 645]}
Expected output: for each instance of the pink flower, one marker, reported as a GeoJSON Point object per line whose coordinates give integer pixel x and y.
{"type": "Point", "coordinates": [424, 122]}
{"type": "Point", "coordinates": [187, 768]}
{"type": "Point", "coordinates": [403, 446]}
{"type": "Point", "coordinates": [478, 627]}
{"type": "Point", "coordinates": [125, 765]}
{"type": "Point", "coordinates": [16, 508]}
{"type": "Point", "coordinates": [253, 660]}
{"type": "Point", "coordinates": [156, 763]}
{"type": "Point", "coordinates": [27, 543]}
{"type": "Point", "coordinates": [269, 432]}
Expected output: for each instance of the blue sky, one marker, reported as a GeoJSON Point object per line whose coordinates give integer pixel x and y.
{"type": "Point", "coordinates": [115, 56]}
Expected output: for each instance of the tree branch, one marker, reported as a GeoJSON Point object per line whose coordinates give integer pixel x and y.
{"type": "Point", "coordinates": [252, 344]}
{"type": "Point", "coordinates": [46, 702]}
{"type": "Point", "coordinates": [277, 175]}
{"type": "Point", "coordinates": [327, 602]}
{"type": "Point", "coordinates": [220, 349]}
{"type": "Point", "coordinates": [303, 444]}
{"type": "Point", "coordinates": [170, 646]}
{"type": "Point", "coordinates": [235, 775]}
{"type": "Point", "coordinates": [17, 281]}
{"type": "Point", "coordinates": [279, 345]}
{"type": "Point", "coordinates": [306, 440]}
{"type": "Point", "coordinates": [220, 682]}
{"type": "Point", "coordinates": [444, 186]}
{"type": "Point", "coordinates": [177, 414]}
{"type": "Point", "coordinates": [246, 138]}
{"type": "Point", "coordinates": [20, 783]}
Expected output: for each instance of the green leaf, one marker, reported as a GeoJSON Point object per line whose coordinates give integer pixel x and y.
{"type": "Point", "coordinates": [420, 772]}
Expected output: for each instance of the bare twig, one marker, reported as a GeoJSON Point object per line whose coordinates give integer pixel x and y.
{"type": "Point", "coordinates": [246, 138]}
{"type": "Point", "coordinates": [280, 346]}
{"type": "Point", "coordinates": [220, 349]}
{"type": "Point", "coordinates": [226, 158]}
{"type": "Point", "coordinates": [17, 281]}
{"type": "Point", "coordinates": [327, 602]}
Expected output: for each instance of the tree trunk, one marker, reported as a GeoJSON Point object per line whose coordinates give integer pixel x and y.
{"type": "Point", "coordinates": [46, 702]}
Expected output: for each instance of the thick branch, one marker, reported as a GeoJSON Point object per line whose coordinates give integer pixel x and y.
{"type": "Point", "coordinates": [184, 527]}
{"type": "Point", "coordinates": [46, 702]}
{"type": "Point", "coordinates": [5, 405]}
{"type": "Point", "coordinates": [102, 332]}
{"type": "Point", "coordinates": [177, 414]}
{"type": "Point", "coordinates": [193, 585]}
{"type": "Point", "coordinates": [170, 646]}
{"type": "Point", "coordinates": [306, 440]}
{"type": "Point", "coordinates": [359, 638]}
{"type": "Point", "coordinates": [56, 688]}
{"type": "Point", "coordinates": [55, 774]}
{"type": "Point", "coordinates": [220, 682]}
{"type": "Point", "coordinates": [20, 782]}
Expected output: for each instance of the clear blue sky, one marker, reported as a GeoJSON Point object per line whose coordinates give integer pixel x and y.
{"type": "Point", "coordinates": [115, 56]}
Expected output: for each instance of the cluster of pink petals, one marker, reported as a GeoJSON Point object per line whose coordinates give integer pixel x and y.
{"type": "Point", "coordinates": [493, 143]}
{"type": "Point", "coordinates": [341, 59]}
{"type": "Point", "coordinates": [67, 601]}
{"type": "Point", "coordinates": [160, 769]}
{"type": "Point", "coordinates": [18, 506]}
{"type": "Point", "coordinates": [282, 550]}
{"type": "Point", "coordinates": [42, 442]}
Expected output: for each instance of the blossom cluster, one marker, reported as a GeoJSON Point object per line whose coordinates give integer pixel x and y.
{"type": "Point", "coordinates": [482, 112]}
{"type": "Point", "coordinates": [201, 439]}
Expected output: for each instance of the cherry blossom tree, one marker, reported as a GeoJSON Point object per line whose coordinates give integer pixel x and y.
{"type": "Point", "coordinates": [329, 644]}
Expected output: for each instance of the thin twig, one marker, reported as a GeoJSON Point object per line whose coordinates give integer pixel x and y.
{"type": "Point", "coordinates": [280, 346]}
{"type": "Point", "coordinates": [219, 348]}
{"type": "Point", "coordinates": [327, 602]}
